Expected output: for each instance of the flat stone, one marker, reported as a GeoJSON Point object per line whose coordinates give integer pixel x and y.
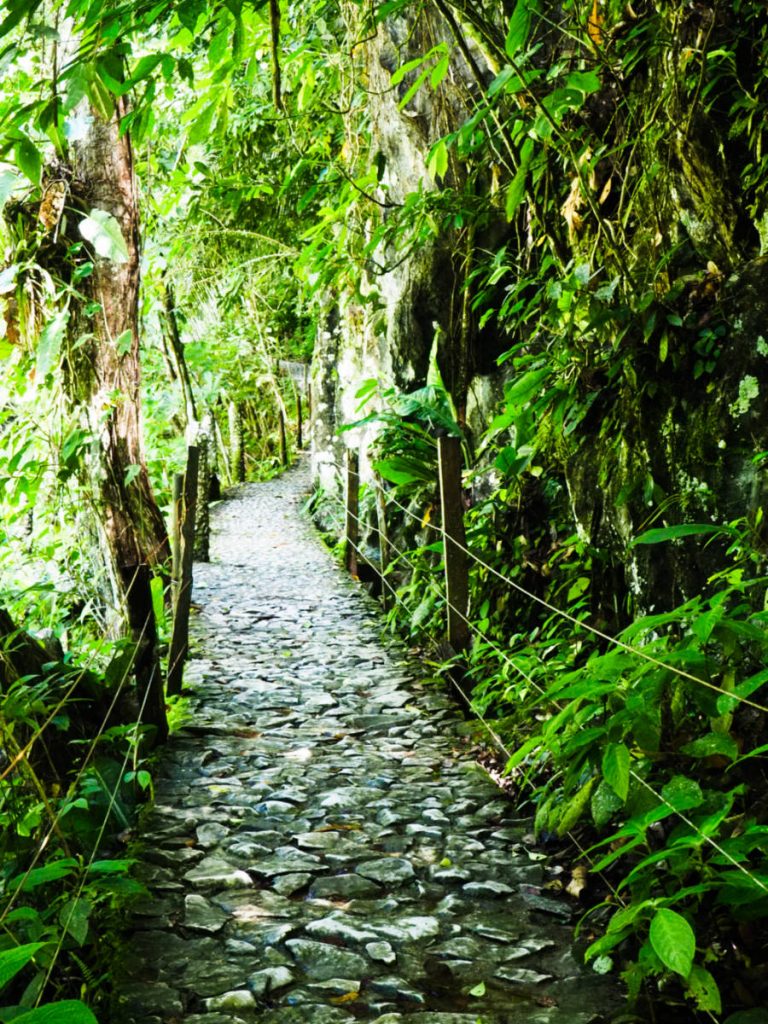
{"type": "Point", "coordinates": [398, 989]}
{"type": "Point", "coordinates": [215, 873]}
{"type": "Point", "coordinates": [489, 888]}
{"type": "Point", "coordinates": [300, 863]}
{"type": "Point", "coordinates": [321, 961]}
{"type": "Point", "coordinates": [410, 929]}
{"type": "Point", "coordinates": [338, 929]}
{"type": "Point", "coordinates": [287, 885]}
{"type": "Point", "coordinates": [261, 983]}
{"type": "Point", "coordinates": [381, 951]}
{"type": "Point", "coordinates": [387, 870]}
{"type": "Point", "coordinates": [344, 886]}
{"type": "Point", "coordinates": [155, 997]}
{"type": "Point", "coordinates": [239, 999]}
{"type": "Point", "coordinates": [521, 976]}
{"type": "Point", "coordinates": [202, 916]}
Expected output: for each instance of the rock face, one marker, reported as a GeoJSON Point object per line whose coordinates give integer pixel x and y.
{"type": "Point", "coordinates": [668, 426]}
{"type": "Point", "coordinates": [410, 860]}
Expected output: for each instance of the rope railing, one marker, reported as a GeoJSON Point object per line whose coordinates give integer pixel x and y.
{"type": "Point", "coordinates": [449, 540]}
{"type": "Point", "coordinates": [567, 616]}
{"type": "Point", "coordinates": [43, 844]}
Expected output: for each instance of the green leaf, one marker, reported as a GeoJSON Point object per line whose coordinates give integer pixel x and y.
{"type": "Point", "coordinates": [52, 872]}
{"type": "Point", "coordinates": [74, 917]}
{"type": "Point", "coordinates": [663, 533]}
{"type": "Point", "coordinates": [439, 71]}
{"type": "Point", "coordinates": [437, 162]}
{"type": "Point", "coordinates": [105, 235]}
{"type": "Point", "coordinates": [584, 81]}
{"type": "Point", "coordinates": [71, 1011]}
{"type": "Point", "coordinates": [673, 941]}
{"type": "Point", "coordinates": [578, 587]}
{"type": "Point", "coordinates": [683, 793]}
{"type": "Point", "coordinates": [8, 278]}
{"type": "Point", "coordinates": [575, 807]}
{"type": "Point", "coordinates": [8, 182]}
{"type": "Point", "coordinates": [124, 342]}
{"type": "Point", "coordinates": [399, 470]}
{"type": "Point", "coordinates": [14, 960]}
{"type": "Point", "coordinates": [49, 345]}
{"type": "Point", "coordinates": [713, 743]}
{"type": "Point", "coordinates": [478, 990]}
{"type": "Point", "coordinates": [757, 1016]}
{"type": "Point", "coordinates": [616, 761]}
{"type": "Point", "coordinates": [703, 988]}
{"type": "Point", "coordinates": [519, 24]}
{"type": "Point", "coordinates": [28, 159]}
{"type": "Point", "coordinates": [516, 190]}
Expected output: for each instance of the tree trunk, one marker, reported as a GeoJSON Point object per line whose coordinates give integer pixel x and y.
{"type": "Point", "coordinates": [20, 654]}
{"type": "Point", "coordinates": [102, 373]}
{"type": "Point", "coordinates": [176, 351]}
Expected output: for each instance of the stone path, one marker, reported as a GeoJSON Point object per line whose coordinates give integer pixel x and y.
{"type": "Point", "coordinates": [319, 851]}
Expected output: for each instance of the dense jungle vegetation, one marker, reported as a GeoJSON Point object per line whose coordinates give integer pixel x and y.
{"type": "Point", "coordinates": [570, 201]}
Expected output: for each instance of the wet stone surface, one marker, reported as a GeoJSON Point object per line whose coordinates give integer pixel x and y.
{"type": "Point", "coordinates": [320, 850]}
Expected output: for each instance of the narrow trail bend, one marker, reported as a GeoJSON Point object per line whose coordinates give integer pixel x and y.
{"type": "Point", "coordinates": [319, 852]}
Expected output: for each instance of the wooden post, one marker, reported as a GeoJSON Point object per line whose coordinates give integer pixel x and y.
{"type": "Point", "coordinates": [456, 572]}
{"type": "Point", "coordinates": [236, 451]}
{"type": "Point", "coordinates": [176, 518]}
{"type": "Point", "coordinates": [202, 509]}
{"type": "Point", "coordinates": [283, 439]}
{"type": "Point", "coordinates": [384, 549]}
{"type": "Point", "coordinates": [352, 530]}
{"type": "Point", "coordinates": [180, 633]}
{"type": "Point", "coordinates": [146, 665]}
{"type": "Point", "coordinates": [299, 421]}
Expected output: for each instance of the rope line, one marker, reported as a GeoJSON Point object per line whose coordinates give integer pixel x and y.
{"type": "Point", "coordinates": [25, 750]}
{"type": "Point", "coordinates": [78, 777]}
{"type": "Point", "coordinates": [492, 732]}
{"type": "Point", "coordinates": [639, 652]}
{"type": "Point", "coordinates": [96, 845]}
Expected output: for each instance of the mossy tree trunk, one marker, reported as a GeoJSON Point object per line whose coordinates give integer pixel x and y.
{"type": "Point", "coordinates": [102, 373]}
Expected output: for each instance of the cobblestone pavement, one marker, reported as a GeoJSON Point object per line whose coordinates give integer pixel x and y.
{"type": "Point", "coordinates": [320, 850]}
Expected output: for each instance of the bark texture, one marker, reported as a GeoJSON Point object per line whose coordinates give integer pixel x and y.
{"type": "Point", "coordinates": [104, 372]}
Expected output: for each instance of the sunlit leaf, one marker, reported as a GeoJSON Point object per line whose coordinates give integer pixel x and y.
{"type": "Point", "coordinates": [105, 235]}
{"type": "Point", "coordinates": [673, 941]}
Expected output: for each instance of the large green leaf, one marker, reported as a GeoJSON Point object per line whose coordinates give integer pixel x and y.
{"type": "Point", "coordinates": [673, 941]}
{"type": "Point", "coordinates": [49, 873]}
{"type": "Point", "coordinates": [519, 24]}
{"type": "Point", "coordinates": [14, 960]}
{"type": "Point", "coordinates": [105, 235]}
{"type": "Point", "coordinates": [663, 533]}
{"type": "Point", "coordinates": [71, 1011]}
{"type": "Point", "coordinates": [8, 182]}
{"type": "Point", "coordinates": [49, 345]}
{"type": "Point", "coordinates": [703, 988]}
{"type": "Point", "coordinates": [713, 743]}
{"type": "Point", "coordinates": [516, 190]}
{"type": "Point", "coordinates": [616, 762]}
{"type": "Point", "coordinates": [28, 159]}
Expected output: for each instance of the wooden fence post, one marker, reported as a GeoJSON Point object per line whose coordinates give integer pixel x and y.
{"type": "Point", "coordinates": [299, 421]}
{"type": "Point", "coordinates": [283, 438]}
{"type": "Point", "coordinates": [176, 519]}
{"type": "Point", "coordinates": [352, 531]}
{"type": "Point", "coordinates": [385, 554]}
{"type": "Point", "coordinates": [456, 571]}
{"type": "Point", "coordinates": [236, 450]}
{"type": "Point", "coordinates": [146, 665]}
{"type": "Point", "coordinates": [205, 445]}
{"type": "Point", "coordinates": [180, 633]}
